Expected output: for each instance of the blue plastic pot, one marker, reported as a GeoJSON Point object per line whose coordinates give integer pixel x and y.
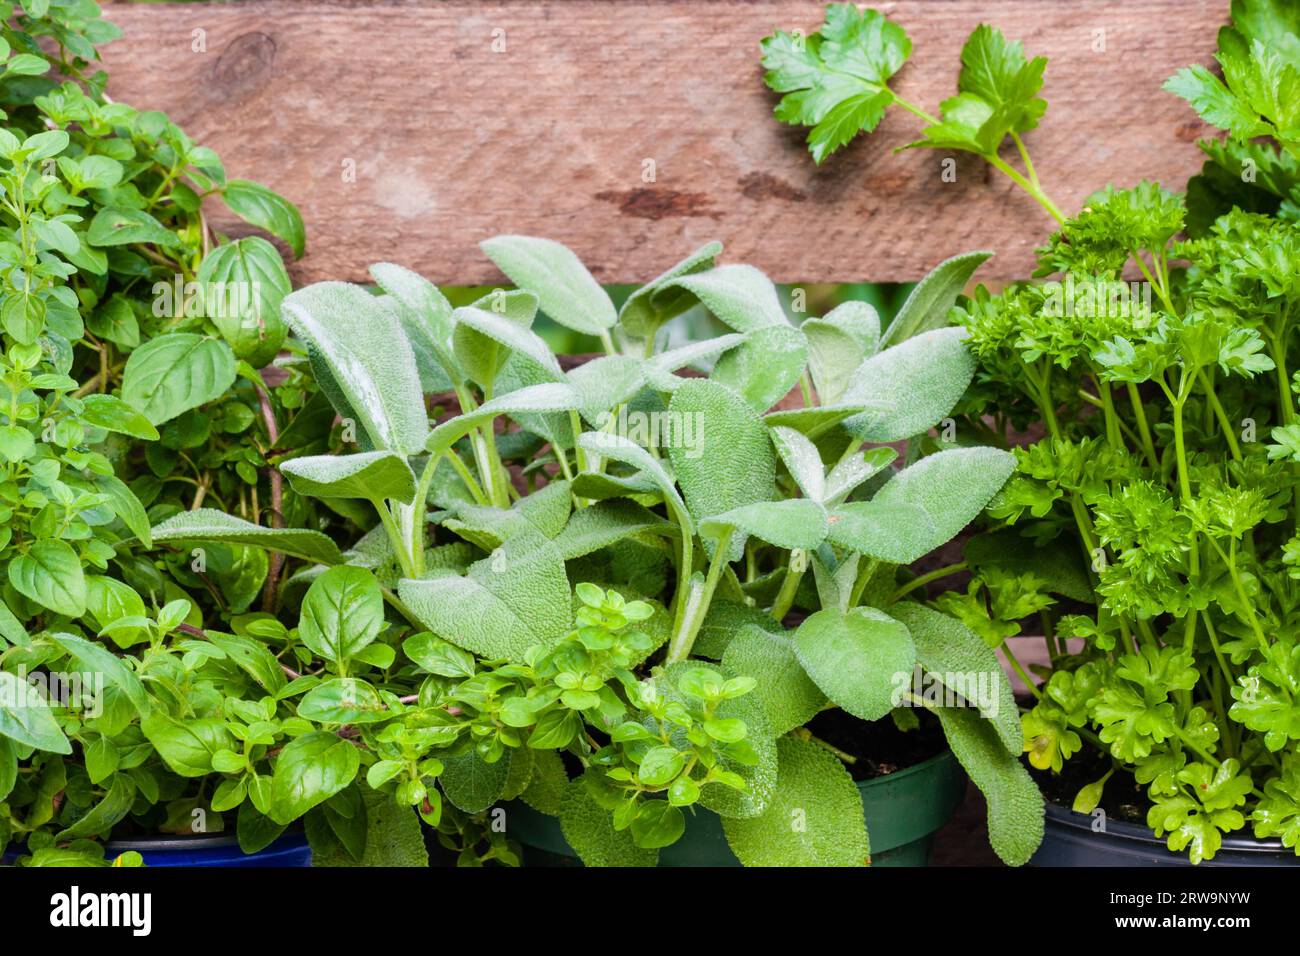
{"type": "Point", "coordinates": [291, 849]}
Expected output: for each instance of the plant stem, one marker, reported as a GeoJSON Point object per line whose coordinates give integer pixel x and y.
{"type": "Point", "coordinates": [396, 604]}
{"type": "Point", "coordinates": [275, 480]}
{"type": "Point", "coordinates": [579, 453]}
{"type": "Point", "coordinates": [476, 492]}
{"type": "Point", "coordinates": [1248, 611]}
{"type": "Point", "coordinates": [914, 109]}
{"type": "Point", "coordinates": [922, 580]}
{"type": "Point", "coordinates": [790, 585]}
{"type": "Point", "coordinates": [1113, 436]}
{"type": "Point", "coordinates": [803, 733]}
{"type": "Point", "coordinates": [805, 390]}
{"type": "Point", "coordinates": [1221, 415]}
{"type": "Point", "coordinates": [1034, 191]}
{"type": "Point", "coordinates": [1139, 413]}
{"type": "Point", "coordinates": [395, 536]}
{"type": "Point", "coordinates": [864, 575]}
{"type": "Point", "coordinates": [1019, 669]}
{"type": "Point", "coordinates": [692, 613]}
{"type": "Point", "coordinates": [563, 461]}
{"type": "Point", "coordinates": [420, 509]}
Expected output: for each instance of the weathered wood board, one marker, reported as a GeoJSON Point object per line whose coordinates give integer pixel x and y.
{"type": "Point", "coordinates": [409, 131]}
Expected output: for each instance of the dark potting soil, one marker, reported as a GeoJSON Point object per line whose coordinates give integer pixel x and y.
{"type": "Point", "coordinates": [1123, 797]}
{"type": "Point", "coordinates": [879, 746]}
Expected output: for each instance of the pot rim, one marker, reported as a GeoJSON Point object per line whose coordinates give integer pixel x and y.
{"type": "Point", "coordinates": [1132, 832]}
{"type": "Point", "coordinates": [209, 841]}
{"type": "Point", "coordinates": [929, 763]}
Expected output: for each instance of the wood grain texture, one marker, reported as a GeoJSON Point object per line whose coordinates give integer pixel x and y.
{"type": "Point", "coordinates": [453, 142]}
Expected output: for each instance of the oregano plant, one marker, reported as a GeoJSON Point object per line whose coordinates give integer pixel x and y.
{"type": "Point", "coordinates": [133, 336]}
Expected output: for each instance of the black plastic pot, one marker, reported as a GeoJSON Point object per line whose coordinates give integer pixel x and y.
{"type": "Point", "coordinates": [1070, 840]}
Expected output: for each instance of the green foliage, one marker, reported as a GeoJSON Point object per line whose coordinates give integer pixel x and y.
{"type": "Point", "coordinates": [363, 360]}
{"type": "Point", "coordinates": [446, 608]}
{"type": "Point", "coordinates": [658, 500]}
{"type": "Point", "coordinates": [813, 819]}
{"type": "Point", "coordinates": [923, 506]}
{"type": "Point", "coordinates": [1015, 806]}
{"type": "Point", "coordinates": [564, 288]}
{"type": "Point", "coordinates": [1168, 465]}
{"type": "Point", "coordinates": [130, 392]}
{"type": "Point", "coordinates": [836, 81]}
{"type": "Point", "coordinates": [208, 524]}
{"type": "Point", "coordinates": [856, 658]}
{"type": "Point", "coordinates": [932, 368]}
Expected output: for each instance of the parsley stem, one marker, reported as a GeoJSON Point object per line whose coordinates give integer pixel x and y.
{"type": "Point", "coordinates": [1233, 746]}
{"type": "Point", "coordinates": [1020, 670]}
{"type": "Point", "coordinates": [1277, 349]}
{"type": "Point", "coordinates": [1139, 413]}
{"type": "Point", "coordinates": [1194, 747]}
{"type": "Point", "coordinates": [1054, 645]}
{"type": "Point", "coordinates": [1180, 450]}
{"type": "Point", "coordinates": [1159, 286]}
{"type": "Point", "coordinates": [1024, 158]}
{"type": "Point", "coordinates": [1034, 192]}
{"type": "Point", "coordinates": [1130, 645]}
{"type": "Point", "coordinates": [1230, 559]}
{"type": "Point", "coordinates": [915, 110]}
{"type": "Point", "coordinates": [1220, 414]}
{"type": "Point", "coordinates": [1113, 436]}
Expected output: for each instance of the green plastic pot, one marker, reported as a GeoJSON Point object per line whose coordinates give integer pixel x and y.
{"type": "Point", "coordinates": [903, 811]}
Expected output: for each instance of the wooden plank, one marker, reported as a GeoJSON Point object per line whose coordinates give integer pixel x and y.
{"type": "Point", "coordinates": [452, 140]}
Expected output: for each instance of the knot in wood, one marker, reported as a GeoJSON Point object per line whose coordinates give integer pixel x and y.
{"type": "Point", "coordinates": [245, 64]}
